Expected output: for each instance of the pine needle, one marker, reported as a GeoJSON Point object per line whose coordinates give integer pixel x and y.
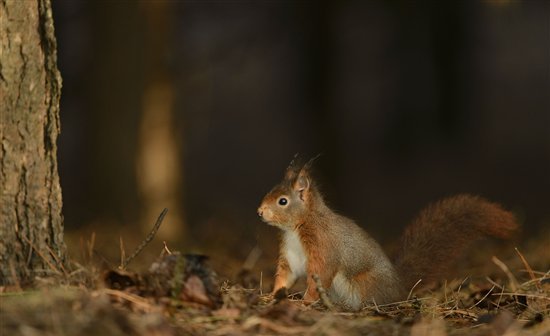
{"type": "Point", "coordinates": [513, 281]}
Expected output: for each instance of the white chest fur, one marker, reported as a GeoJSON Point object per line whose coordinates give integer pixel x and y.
{"type": "Point", "coordinates": [294, 252]}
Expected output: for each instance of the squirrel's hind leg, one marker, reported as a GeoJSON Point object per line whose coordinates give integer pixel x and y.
{"type": "Point", "coordinates": [379, 287]}
{"type": "Point", "coordinates": [346, 291]}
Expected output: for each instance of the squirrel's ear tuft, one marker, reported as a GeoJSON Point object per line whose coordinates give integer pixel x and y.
{"type": "Point", "coordinates": [308, 164]}
{"type": "Point", "coordinates": [293, 168]}
{"type": "Point", "coordinates": [298, 173]}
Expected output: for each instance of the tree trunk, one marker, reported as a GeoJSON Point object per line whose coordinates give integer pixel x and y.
{"type": "Point", "coordinates": [31, 223]}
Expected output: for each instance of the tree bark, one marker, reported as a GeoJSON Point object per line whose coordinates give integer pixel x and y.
{"type": "Point", "coordinates": [31, 223]}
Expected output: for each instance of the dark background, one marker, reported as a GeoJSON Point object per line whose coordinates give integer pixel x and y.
{"type": "Point", "coordinates": [199, 106]}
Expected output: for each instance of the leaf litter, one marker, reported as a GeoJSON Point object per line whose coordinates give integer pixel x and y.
{"type": "Point", "coordinates": [180, 294]}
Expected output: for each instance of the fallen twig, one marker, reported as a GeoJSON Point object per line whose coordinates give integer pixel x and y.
{"type": "Point", "coordinates": [412, 289]}
{"type": "Point", "coordinates": [544, 297]}
{"type": "Point", "coordinates": [135, 299]}
{"type": "Point", "coordinates": [322, 292]}
{"type": "Point", "coordinates": [529, 269]}
{"type": "Point", "coordinates": [461, 312]}
{"type": "Point", "coordinates": [46, 260]}
{"type": "Point", "coordinates": [122, 251]}
{"type": "Point", "coordinates": [513, 282]}
{"type": "Point", "coordinates": [146, 241]}
{"type": "Point", "coordinates": [484, 297]}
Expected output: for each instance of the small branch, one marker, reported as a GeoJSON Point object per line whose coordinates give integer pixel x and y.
{"type": "Point", "coordinates": [462, 312]}
{"type": "Point", "coordinates": [413, 287]}
{"type": "Point", "coordinates": [56, 259]}
{"type": "Point", "coordinates": [147, 240]}
{"type": "Point", "coordinates": [457, 300]}
{"type": "Point", "coordinates": [484, 297]}
{"type": "Point", "coordinates": [261, 283]}
{"type": "Point", "coordinates": [543, 297]}
{"type": "Point", "coordinates": [122, 252]}
{"type": "Point", "coordinates": [87, 247]}
{"type": "Point", "coordinates": [322, 292]}
{"type": "Point", "coordinates": [500, 297]}
{"type": "Point", "coordinates": [376, 306]}
{"type": "Point", "coordinates": [529, 269]}
{"type": "Point", "coordinates": [135, 299]}
{"type": "Point", "coordinates": [513, 282]}
{"type": "Point", "coordinates": [46, 260]}
{"type": "Point", "coordinates": [402, 302]}
{"type": "Point", "coordinates": [492, 282]}
{"type": "Point", "coordinates": [166, 249]}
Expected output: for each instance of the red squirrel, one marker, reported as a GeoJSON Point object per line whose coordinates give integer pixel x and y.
{"type": "Point", "coordinates": [351, 265]}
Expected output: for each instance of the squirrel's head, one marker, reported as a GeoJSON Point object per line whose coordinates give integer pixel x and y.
{"type": "Point", "coordinates": [289, 201]}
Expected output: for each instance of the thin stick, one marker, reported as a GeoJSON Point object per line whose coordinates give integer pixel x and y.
{"type": "Point", "coordinates": [457, 299]}
{"type": "Point", "coordinates": [412, 289]}
{"type": "Point", "coordinates": [147, 240]}
{"type": "Point", "coordinates": [500, 297]}
{"type": "Point", "coordinates": [47, 261]}
{"type": "Point", "coordinates": [376, 306]}
{"type": "Point", "coordinates": [261, 283]}
{"type": "Point", "coordinates": [166, 248]}
{"type": "Point", "coordinates": [494, 283]}
{"type": "Point", "coordinates": [122, 251]}
{"type": "Point", "coordinates": [537, 273]}
{"type": "Point", "coordinates": [529, 269]}
{"type": "Point", "coordinates": [91, 246]}
{"type": "Point", "coordinates": [58, 262]}
{"type": "Point", "coordinates": [322, 293]}
{"type": "Point", "coordinates": [461, 312]}
{"type": "Point", "coordinates": [137, 300]}
{"type": "Point", "coordinates": [445, 291]}
{"type": "Point", "coordinates": [483, 298]}
{"type": "Point", "coordinates": [506, 270]}
{"type": "Point", "coordinates": [544, 297]}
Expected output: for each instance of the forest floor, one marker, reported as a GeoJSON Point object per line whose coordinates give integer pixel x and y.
{"type": "Point", "coordinates": [182, 295]}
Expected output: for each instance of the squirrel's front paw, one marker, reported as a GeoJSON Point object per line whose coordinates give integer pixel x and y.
{"type": "Point", "coordinates": [280, 294]}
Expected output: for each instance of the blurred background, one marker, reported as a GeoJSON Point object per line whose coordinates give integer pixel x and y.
{"type": "Point", "coordinates": [199, 106]}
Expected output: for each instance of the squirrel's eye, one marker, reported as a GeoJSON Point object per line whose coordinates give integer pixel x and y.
{"type": "Point", "coordinates": [283, 201]}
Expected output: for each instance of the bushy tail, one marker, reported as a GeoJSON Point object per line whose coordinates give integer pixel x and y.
{"type": "Point", "coordinates": [443, 231]}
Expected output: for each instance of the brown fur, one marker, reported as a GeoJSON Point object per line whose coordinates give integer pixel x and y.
{"type": "Point", "coordinates": [317, 245]}
{"type": "Point", "coordinates": [443, 231]}
{"type": "Point", "coordinates": [350, 264]}
{"type": "Point", "coordinates": [282, 272]}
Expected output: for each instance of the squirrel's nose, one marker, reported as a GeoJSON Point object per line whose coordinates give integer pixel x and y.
{"type": "Point", "coordinates": [260, 211]}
